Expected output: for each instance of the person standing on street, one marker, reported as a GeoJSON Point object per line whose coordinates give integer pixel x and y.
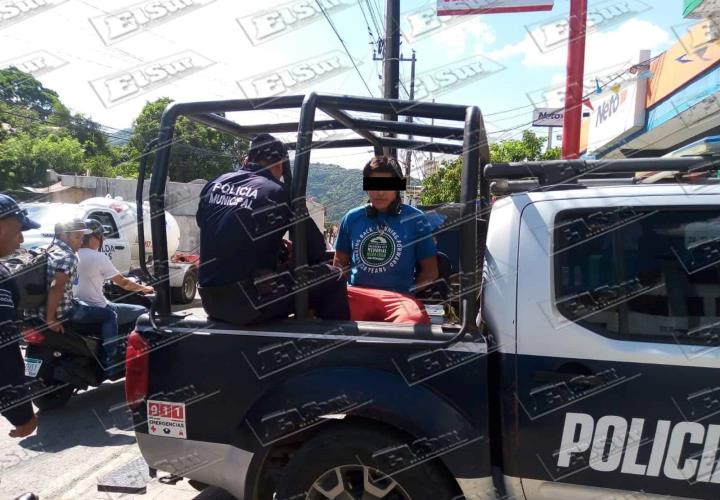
{"type": "Point", "coordinates": [14, 397]}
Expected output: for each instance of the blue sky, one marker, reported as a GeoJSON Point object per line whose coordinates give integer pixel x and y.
{"type": "Point", "coordinates": [93, 47]}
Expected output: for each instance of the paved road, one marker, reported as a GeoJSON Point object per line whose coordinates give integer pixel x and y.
{"type": "Point", "coordinates": [77, 446]}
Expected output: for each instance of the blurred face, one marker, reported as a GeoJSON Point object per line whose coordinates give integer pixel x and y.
{"type": "Point", "coordinates": [381, 200]}
{"type": "Point", "coordinates": [93, 242]}
{"type": "Point", "coordinates": [74, 239]}
{"type": "Point", "coordinates": [10, 235]}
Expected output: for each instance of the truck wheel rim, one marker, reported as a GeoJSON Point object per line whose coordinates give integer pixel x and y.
{"type": "Point", "coordinates": [189, 287]}
{"type": "Point", "coordinates": [356, 482]}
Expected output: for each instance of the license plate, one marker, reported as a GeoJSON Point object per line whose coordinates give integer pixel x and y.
{"type": "Point", "coordinates": [435, 309]}
{"type": "Point", "coordinates": [32, 367]}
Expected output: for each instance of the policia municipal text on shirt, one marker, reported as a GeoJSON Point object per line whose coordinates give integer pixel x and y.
{"type": "Point", "coordinates": [246, 274]}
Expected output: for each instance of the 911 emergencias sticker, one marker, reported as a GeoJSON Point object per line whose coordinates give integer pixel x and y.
{"type": "Point", "coordinates": [166, 419]}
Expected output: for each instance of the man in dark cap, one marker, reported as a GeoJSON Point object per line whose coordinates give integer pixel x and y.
{"type": "Point", "coordinates": [245, 272]}
{"type": "Point", "coordinates": [14, 398]}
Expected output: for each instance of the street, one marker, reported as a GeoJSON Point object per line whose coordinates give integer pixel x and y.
{"type": "Point", "coordinates": [77, 446]}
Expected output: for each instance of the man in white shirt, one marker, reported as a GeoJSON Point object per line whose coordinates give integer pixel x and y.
{"type": "Point", "coordinates": [94, 268]}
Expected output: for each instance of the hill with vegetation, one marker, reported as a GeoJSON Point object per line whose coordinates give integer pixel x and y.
{"type": "Point", "coordinates": [338, 189]}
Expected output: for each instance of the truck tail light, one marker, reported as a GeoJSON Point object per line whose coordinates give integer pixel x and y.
{"type": "Point", "coordinates": [137, 369]}
{"type": "Point", "coordinates": [33, 336]}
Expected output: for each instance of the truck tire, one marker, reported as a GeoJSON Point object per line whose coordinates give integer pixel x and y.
{"type": "Point", "coordinates": [56, 399]}
{"type": "Point", "coordinates": [341, 460]}
{"type": "Point", "coordinates": [186, 293]}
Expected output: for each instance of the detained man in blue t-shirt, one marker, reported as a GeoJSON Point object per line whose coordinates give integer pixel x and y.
{"type": "Point", "coordinates": [381, 244]}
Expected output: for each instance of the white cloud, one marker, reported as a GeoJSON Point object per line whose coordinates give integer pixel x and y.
{"type": "Point", "coordinates": [603, 48]}
{"type": "Point", "coordinates": [457, 40]}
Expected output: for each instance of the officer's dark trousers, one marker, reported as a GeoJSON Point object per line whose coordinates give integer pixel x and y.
{"type": "Point", "coordinates": [239, 304]}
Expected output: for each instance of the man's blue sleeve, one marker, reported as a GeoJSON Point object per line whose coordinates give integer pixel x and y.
{"type": "Point", "coordinates": [343, 242]}
{"type": "Point", "coordinates": [424, 244]}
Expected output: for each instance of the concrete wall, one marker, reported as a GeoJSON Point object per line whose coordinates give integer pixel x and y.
{"type": "Point", "coordinates": [181, 201]}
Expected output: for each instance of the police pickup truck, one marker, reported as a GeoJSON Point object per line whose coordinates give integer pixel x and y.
{"type": "Point", "coordinates": [583, 366]}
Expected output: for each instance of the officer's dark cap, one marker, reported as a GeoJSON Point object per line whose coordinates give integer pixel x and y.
{"type": "Point", "coordinates": [10, 208]}
{"type": "Point", "coordinates": [268, 148]}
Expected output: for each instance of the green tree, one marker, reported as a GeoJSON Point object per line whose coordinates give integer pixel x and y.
{"type": "Point", "coordinates": [443, 186]}
{"type": "Point", "coordinates": [23, 90]}
{"type": "Point", "coordinates": [39, 132]}
{"type": "Point", "coordinates": [126, 161]}
{"type": "Point", "coordinates": [24, 160]}
{"type": "Point", "coordinates": [100, 166]}
{"type": "Point", "coordinates": [19, 119]}
{"type": "Point", "coordinates": [88, 133]}
{"type": "Point", "coordinates": [529, 148]}
{"type": "Point", "coordinates": [198, 151]}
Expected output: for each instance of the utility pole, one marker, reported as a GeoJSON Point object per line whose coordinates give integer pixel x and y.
{"type": "Point", "coordinates": [550, 137]}
{"type": "Point", "coordinates": [432, 122]}
{"type": "Point", "coordinates": [391, 60]}
{"type": "Point", "coordinates": [574, 83]}
{"type": "Point", "coordinates": [408, 153]}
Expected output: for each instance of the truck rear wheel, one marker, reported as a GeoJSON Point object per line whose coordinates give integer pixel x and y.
{"type": "Point", "coordinates": [186, 293]}
{"type": "Point", "coordinates": [344, 463]}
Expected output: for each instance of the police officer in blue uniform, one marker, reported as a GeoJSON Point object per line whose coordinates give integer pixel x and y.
{"type": "Point", "coordinates": [14, 395]}
{"type": "Point", "coordinates": [246, 273]}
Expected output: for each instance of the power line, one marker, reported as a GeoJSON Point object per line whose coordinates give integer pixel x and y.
{"type": "Point", "coordinates": [373, 36]}
{"type": "Point", "coordinates": [379, 29]}
{"type": "Point", "coordinates": [74, 123]}
{"type": "Point", "coordinates": [378, 11]}
{"type": "Point", "coordinates": [327, 17]}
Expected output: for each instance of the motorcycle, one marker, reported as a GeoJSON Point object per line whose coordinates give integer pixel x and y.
{"type": "Point", "coordinates": [63, 363]}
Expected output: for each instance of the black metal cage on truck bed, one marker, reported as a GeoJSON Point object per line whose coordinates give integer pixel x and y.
{"type": "Point", "coordinates": [468, 138]}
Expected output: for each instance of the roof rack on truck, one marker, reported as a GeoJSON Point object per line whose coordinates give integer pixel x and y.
{"type": "Point", "coordinates": [691, 163]}
{"type": "Point", "coordinates": [578, 174]}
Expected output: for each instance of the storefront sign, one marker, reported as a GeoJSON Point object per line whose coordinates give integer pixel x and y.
{"type": "Point", "coordinates": [548, 117]}
{"type": "Point", "coordinates": [465, 7]}
{"type": "Point", "coordinates": [616, 115]}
